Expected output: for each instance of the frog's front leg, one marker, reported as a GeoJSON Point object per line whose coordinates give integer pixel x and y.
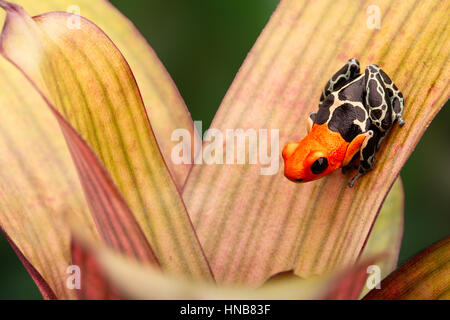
{"type": "Point", "coordinates": [366, 154]}
{"type": "Point", "coordinates": [361, 144]}
{"type": "Point", "coordinates": [348, 72]}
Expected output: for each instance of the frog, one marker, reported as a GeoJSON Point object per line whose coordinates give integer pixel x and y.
{"type": "Point", "coordinates": [356, 112]}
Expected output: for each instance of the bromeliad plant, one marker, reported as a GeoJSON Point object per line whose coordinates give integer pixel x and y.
{"type": "Point", "coordinates": [82, 148]}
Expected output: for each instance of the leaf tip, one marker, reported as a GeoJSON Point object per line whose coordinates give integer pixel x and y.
{"type": "Point", "coordinates": [8, 6]}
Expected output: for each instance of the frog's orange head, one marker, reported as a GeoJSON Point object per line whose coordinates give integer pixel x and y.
{"type": "Point", "coordinates": [305, 161]}
{"type": "Point", "coordinates": [313, 157]}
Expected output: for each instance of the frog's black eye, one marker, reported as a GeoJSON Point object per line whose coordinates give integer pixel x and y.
{"type": "Point", "coordinates": [319, 165]}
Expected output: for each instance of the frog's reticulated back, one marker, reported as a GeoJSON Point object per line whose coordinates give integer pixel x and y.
{"type": "Point", "coordinates": [319, 153]}
{"type": "Point", "coordinates": [356, 111]}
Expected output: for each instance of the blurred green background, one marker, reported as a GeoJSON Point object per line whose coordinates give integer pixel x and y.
{"type": "Point", "coordinates": [203, 44]}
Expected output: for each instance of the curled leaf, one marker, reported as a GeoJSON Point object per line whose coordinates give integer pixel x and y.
{"type": "Point", "coordinates": [425, 277]}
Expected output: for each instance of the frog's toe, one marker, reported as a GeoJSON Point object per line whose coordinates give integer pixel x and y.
{"type": "Point", "coordinates": [401, 122]}
{"type": "Point", "coordinates": [352, 182]}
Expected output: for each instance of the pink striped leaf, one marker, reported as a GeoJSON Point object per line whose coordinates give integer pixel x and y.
{"type": "Point", "coordinates": [253, 225]}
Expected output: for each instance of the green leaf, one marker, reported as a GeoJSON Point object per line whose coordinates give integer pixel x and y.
{"type": "Point", "coordinates": [252, 226]}
{"type": "Point", "coordinates": [387, 233]}
{"type": "Point", "coordinates": [425, 277]}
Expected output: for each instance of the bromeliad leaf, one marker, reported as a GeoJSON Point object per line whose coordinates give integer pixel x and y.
{"type": "Point", "coordinates": [38, 183]}
{"type": "Point", "coordinates": [114, 220]}
{"type": "Point", "coordinates": [82, 74]}
{"type": "Point", "coordinates": [425, 277]}
{"type": "Point", "coordinates": [43, 198]}
{"type": "Point", "coordinates": [42, 187]}
{"type": "Point", "coordinates": [252, 225]}
{"type": "Point", "coordinates": [387, 232]}
{"type": "Point", "coordinates": [384, 242]}
{"type": "Point", "coordinates": [93, 283]}
{"type": "Point", "coordinates": [164, 105]}
{"type": "Point", "coordinates": [137, 281]}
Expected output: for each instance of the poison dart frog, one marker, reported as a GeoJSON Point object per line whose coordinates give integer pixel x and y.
{"type": "Point", "coordinates": [356, 111]}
